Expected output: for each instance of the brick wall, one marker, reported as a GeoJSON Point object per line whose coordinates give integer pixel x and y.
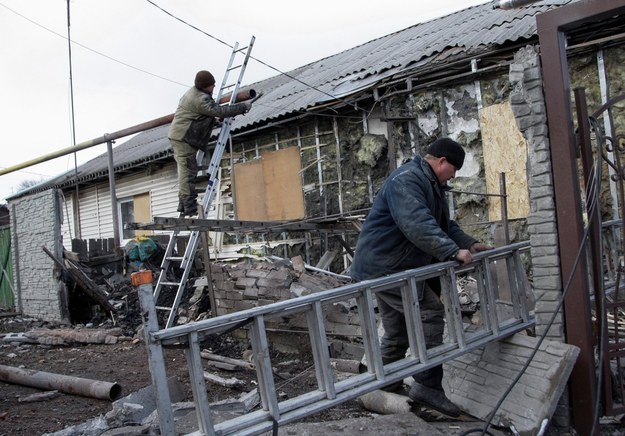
{"type": "Point", "coordinates": [35, 223]}
{"type": "Point", "coordinates": [252, 284]}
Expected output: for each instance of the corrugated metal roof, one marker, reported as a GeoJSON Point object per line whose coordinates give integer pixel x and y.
{"type": "Point", "coordinates": [470, 30]}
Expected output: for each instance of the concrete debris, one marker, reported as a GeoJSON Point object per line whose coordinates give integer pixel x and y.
{"type": "Point", "coordinates": [477, 380]}
{"type": "Point", "coordinates": [69, 336]}
{"type": "Point", "coordinates": [231, 382]}
{"type": "Point", "coordinates": [42, 396]}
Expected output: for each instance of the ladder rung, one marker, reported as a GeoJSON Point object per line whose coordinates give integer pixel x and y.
{"type": "Point", "coordinates": [175, 258]}
{"type": "Point", "coordinates": [168, 309]}
{"type": "Point", "coordinates": [169, 283]}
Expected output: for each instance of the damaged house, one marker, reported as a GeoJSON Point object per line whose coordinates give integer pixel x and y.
{"type": "Point", "coordinates": [320, 141]}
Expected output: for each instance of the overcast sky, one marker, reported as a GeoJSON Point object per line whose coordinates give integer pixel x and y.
{"type": "Point", "coordinates": [131, 62]}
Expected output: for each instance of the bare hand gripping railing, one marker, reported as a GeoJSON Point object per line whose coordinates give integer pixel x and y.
{"type": "Point", "coordinates": [329, 392]}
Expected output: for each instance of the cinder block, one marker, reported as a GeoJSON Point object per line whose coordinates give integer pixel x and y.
{"type": "Point", "coordinates": [245, 282]}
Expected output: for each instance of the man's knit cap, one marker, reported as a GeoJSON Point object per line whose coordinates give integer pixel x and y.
{"type": "Point", "coordinates": [203, 79]}
{"type": "Point", "coordinates": [449, 149]}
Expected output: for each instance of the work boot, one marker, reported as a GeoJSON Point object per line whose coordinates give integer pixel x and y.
{"type": "Point", "coordinates": [434, 398]}
{"type": "Point", "coordinates": [189, 206]}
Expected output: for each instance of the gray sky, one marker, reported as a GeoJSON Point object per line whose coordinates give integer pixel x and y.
{"type": "Point", "coordinates": [131, 62]}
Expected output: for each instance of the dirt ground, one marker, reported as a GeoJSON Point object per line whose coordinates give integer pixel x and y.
{"type": "Point", "coordinates": [125, 363]}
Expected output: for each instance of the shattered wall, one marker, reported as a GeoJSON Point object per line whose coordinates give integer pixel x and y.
{"type": "Point", "coordinates": [249, 284]}
{"type": "Point", "coordinates": [36, 220]}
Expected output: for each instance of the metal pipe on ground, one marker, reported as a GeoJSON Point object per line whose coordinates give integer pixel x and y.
{"type": "Point", "coordinates": [62, 383]}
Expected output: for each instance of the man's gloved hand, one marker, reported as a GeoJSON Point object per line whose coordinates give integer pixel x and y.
{"type": "Point", "coordinates": [247, 106]}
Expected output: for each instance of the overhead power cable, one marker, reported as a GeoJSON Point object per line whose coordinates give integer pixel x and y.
{"type": "Point", "coordinates": [92, 50]}
{"type": "Point", "coordinates": [256, 59]}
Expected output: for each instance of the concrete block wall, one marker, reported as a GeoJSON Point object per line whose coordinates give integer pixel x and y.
{"type": "Point", "coordinates": [528, 105]}
{"type": "Point", "coordinates": [35, 223]}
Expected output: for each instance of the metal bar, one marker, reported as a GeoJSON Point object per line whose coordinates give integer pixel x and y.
{"type": "Point", "coordinates": [490, 300]}
{"type": "Point", "coordinates": [412, 313]}
{"type": "Point", "coordinates": [370, 333]}
{"type": "Point", "coordinates": [198, 387]}
{"type": "Point", "coordinates": [504, 207]}
{"type": "Point", "coordinates": [156, 360]}
{"type": "Point", "coordinates": [449, 292]}
{"type": "Point", "coordinates": [480, 277]}
{"type": "Point", "coordinates": [266, 384]}
{"type": "Point", "coordinates": [313, 331]}
{"type": "Point", "coordinates": [319, 345]}
{"type": "Point", "coordinates": [521, 286]}
{"type": "Point", "coordinates": [112, 193]}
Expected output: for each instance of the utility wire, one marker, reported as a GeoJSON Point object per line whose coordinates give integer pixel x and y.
{"type": "Point", "coordinates": [92, 50]}
{"type": "Point", "coordinates": [256, 59]}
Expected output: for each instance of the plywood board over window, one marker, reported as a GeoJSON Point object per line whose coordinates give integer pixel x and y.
{"type": "Point", "coordinates": [505, 151]}
{"type": "Point", "coordinates": [270, 188]}
{"type": "Point", "coordinates": [142, 211]}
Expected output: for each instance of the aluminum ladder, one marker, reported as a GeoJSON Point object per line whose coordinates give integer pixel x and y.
{"type": "Point", "coordinates": [329, 392]}
{"type": "Point", "coordinates": [185, 262]}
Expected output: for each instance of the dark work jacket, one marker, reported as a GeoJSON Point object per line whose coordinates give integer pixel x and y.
{"type": "Point", "coordinates": [193, 120]}
{"type": "Point", "coordinates": [408, 225]}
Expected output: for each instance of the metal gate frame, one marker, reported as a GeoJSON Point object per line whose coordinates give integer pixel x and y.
{"type": "Point", "coordinates": [552, 29]}
{"type": "Point", "coordinates": [608, 288]}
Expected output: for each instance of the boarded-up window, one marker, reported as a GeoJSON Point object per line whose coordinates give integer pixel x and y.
{"type": "Point", "coordinates": [270, 188]}
{"type": "Point", "coordinates": [134, 209]}
{"type": "Point", "coordinates": [505, 151]}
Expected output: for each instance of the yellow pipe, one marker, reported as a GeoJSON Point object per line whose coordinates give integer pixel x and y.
{"type": "Point", "coordinates": [87, 144]}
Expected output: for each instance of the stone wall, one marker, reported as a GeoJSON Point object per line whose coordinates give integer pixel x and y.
{"type": "Point", "coordinates": [35, 221]}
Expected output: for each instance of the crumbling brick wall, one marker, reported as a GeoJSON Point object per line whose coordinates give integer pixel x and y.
{"type": "Point", "coordinates": [250, 284]}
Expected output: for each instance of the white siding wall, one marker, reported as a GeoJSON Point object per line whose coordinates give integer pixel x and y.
{"type": "Point", "coordinates": [95, 204]}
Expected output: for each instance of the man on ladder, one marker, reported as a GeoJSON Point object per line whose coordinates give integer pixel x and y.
{"type": "Point", "coordinates": [190, 131]}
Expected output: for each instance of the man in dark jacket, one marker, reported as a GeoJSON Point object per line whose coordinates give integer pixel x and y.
{"type": "Point", "coordinates": [409, 227]}
{"type": "Point", "coordinates": [190, 131]}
